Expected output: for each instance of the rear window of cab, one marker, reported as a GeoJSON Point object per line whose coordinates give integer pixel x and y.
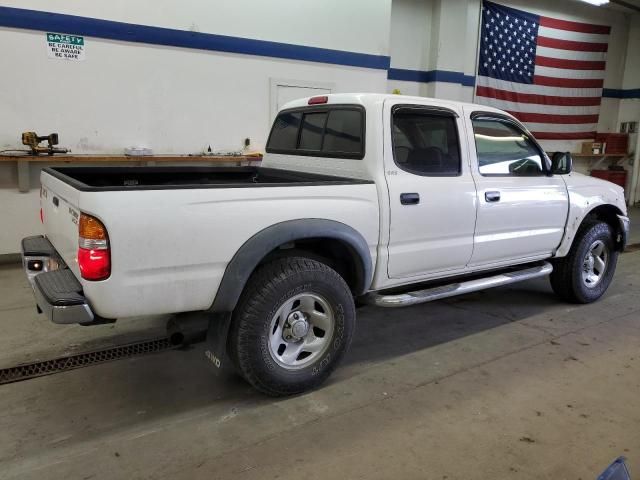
{"type": "Point", "coordinates": [326, 131]}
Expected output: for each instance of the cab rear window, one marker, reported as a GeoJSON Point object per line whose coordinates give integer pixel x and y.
{"type": "Point", "coordinates": [336, 132]}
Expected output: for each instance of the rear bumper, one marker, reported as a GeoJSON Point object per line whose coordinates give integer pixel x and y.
{"type": "Point", "coordinates": [57, 291]}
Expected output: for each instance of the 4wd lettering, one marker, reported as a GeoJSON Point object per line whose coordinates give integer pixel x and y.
{"type": "Point", "coordinates": [212, 358]}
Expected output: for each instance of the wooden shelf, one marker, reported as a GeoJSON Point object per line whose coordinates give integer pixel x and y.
{"type": "Point", "coordinates": [23, 161]}
{"type": "Point", "coordinates": [599, 155]}
{"type": "Point", "coordinates": [595, 160]}
{"type": "Point", "coordinates": [64, 158]}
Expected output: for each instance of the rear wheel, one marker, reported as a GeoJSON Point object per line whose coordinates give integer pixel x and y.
{"type": "Point", "coordinates": [292, 326]}
{"type": "Point", "coordinates": [586, 272]}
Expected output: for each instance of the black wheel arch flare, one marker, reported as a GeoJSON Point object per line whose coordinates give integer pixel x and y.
{"type": "Point", "coordinates": [254, 250]}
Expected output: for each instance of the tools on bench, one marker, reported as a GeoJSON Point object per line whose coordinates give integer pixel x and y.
{"type": "Point", "coordinates": [33, 140]}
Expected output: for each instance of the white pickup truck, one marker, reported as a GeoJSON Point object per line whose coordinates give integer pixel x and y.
{"type": "Point", "coordinates": [367, 198]}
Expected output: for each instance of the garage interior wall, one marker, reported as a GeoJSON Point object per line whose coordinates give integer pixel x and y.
{"type": "Point", "coordinates": [179, 100]}
{"type": "Point", "coordinates": [173, 100]}
{"type": "Point", "coordinates": [183, 100]}
{"type": "Point", "coordinates": [629, 109]}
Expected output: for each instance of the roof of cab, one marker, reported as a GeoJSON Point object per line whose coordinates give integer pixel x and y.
{"type": "Point", "coordinates": [368, 99]}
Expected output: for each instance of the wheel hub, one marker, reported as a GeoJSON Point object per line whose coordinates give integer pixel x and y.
{"type": "Point", "coordinates": [295, 327]}
{"type": "Point", "coordinates": [301, 331]}
{"type": "Point", "coordinates": [589, 263]}
{"type": "Point", "coordinates": [595, 264]}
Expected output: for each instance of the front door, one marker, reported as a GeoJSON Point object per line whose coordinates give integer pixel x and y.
{"type": "Point", "coordinates": [522, 211]}
{"type": "Point", "coordinates": [432, 195]}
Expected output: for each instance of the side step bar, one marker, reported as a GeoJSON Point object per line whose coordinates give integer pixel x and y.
{"type": "Point", "coordinates": [436, 293]}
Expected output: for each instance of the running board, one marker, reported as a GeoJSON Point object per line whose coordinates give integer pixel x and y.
{"type": "Point", "coordinates": [436, 293]}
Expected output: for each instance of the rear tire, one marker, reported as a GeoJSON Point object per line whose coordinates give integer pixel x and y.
{"type": "Point", "coordinates": [292, 326]}
{"type": "Point", "coordinates": [586, 272]}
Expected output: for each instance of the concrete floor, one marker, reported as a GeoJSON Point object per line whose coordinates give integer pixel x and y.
{"type": "Point", "coordinates": [507, 383]}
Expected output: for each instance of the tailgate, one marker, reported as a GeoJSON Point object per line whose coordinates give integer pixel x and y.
{"type": "Point", "coordinates": [60, 202]}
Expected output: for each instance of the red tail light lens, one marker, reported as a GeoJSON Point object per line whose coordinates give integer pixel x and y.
{"type": "Point", "coordinates": [41, 216]}
{"type": "Point", "coordinates": [94, 264]}
{"type": "Point", "coordinates": [94, 256]}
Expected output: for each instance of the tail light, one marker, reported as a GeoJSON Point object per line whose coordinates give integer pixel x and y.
{"type": "Point", "coordinates": [94, 257]}
{"type": "Point", "coordinates": [318, 100]}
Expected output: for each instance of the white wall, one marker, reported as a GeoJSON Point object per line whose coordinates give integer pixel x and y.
{"type": "Point", "coordinates": [411, 32]}
{"type": "Point", "coordinates": [431, 35]}
{"type": "Point", "coordinates": [356, 25]}
{"type": "Point", "coordinates": [629, 110]}
{"type": "Point", "coordinates": [174, 100]}
{"type": "Point", "coordinates": [178, 100]}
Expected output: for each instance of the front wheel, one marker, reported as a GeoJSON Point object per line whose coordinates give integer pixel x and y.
{"type": "Point", "coordinates": [587, 271]}
{"type": "Point", "coordinates": [292, 326]}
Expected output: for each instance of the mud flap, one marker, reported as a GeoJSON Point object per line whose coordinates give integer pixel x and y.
{"type": "Point", "coordinates": [215, 350]}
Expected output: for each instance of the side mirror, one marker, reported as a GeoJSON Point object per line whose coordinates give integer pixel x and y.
{"type": "Point", "coordinates": [561, 163]}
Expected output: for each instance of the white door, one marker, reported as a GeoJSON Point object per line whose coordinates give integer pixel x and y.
{"type": "Point", "coordinates": [284, 91]}
{"type": "Point", "coordinates": [432, 195]}
{"type": "Point", "coordinates": [287, 93]}
{"type": "Point", "coordinates": [522, 212]}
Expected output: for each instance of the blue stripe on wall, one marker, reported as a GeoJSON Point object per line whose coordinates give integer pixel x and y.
{"type": "Point", "coordinates": [620, 93]}
{"type": "Point", "coordinates": [128, 32]}
{"type": "Point", "coordinates": [429, 76]}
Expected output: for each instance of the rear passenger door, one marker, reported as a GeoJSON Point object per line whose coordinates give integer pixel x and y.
{"type": "Point", "coordinates": [432, 196]}
{"type": "Point", "coordinates": [522, 211]}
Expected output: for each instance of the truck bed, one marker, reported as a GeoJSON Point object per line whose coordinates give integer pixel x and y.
{"type": "Point", "coordinates": [93, 179]}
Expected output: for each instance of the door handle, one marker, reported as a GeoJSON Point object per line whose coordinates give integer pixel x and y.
{"type": "Point", "coordinates": [492, 196]}
{"type": "Point", "coordinates": [409, 198]}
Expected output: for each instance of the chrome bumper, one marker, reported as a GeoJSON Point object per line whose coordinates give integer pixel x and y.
{"type": "Point", "coordinates": [63, 314]}
{"type": "Point", "coordinates": [58, 293]}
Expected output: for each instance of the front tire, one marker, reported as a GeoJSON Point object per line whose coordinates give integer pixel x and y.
{"type": "Point", "coordinates": [292, 326]}
{"type": "Point", "coordinates": [587, 271]}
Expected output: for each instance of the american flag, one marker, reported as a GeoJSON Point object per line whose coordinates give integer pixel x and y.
{"type": "Point", "coordinates": [546, 72]}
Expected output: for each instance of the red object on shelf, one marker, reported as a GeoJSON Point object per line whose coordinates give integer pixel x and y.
{"type": "Point", "coordinates": [617, 143]}
{"type": "Point", "coordinates": [619, 177]}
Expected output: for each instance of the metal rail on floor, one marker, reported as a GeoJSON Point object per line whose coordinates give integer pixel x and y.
{"type": "Point", "coordinates": [61, 364]}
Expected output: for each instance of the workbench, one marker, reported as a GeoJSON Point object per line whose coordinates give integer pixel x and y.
{"type": "Point", "coordinates": [597, 159]}
{"type": "Point", "coordinates": [25, 161]}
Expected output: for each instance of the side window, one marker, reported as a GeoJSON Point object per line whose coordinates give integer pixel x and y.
{"type": "Point", "coordinates": [425, 143]}
{"type": "Point", "coordinates": [334, 132]}
{"type": "Point", "coordinates": [503, 149]}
